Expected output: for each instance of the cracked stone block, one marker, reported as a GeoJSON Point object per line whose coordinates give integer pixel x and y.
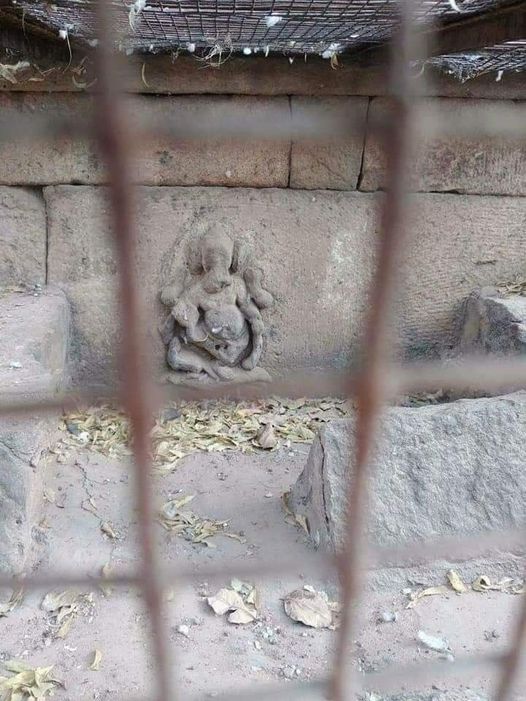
{"type": "Point", "coordinates": [331, 163]}
{"type": "Point", "coordinates": [494, 323]}
{"type": "Point", "coordinates": [34, 332]}
{"type": "Point", "coordinates": [443, 470]}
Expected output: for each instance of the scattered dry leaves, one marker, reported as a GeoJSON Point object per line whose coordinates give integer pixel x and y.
{"type": "Point", "coordinates": [190, 526]}
{"type": "Point", "coordinates": [63, 607]}
{"type": "Point", "coordinates": [508, 585]}
{"type": "Point", "coordinates": [202, 427]}
{"type": "Point", "coordinates": [27, 682]}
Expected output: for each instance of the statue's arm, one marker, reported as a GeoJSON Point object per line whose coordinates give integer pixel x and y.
{"type": "Point", "coordinates": [255, 320]}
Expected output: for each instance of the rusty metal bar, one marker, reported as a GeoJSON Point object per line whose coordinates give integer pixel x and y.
{"type": "Point", "coordinates": [371, 384]}
{"type": "Point", "coordinates": [512, 661]}
{"type": "Point", "coordinates": [136, 395]}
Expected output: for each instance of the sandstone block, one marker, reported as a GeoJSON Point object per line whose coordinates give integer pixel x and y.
{"type": "Point", "coordinates": [317, 252]}
{"type": "Point", "coordinates": [22, 236]}
{"type": "Point", "coordinates": [494, 323]}
{"type": "Point", "coordinates": [160, 160]}
{"type": "Point", "coordinates": [331, 163]}
{"type": "Point", "coordinates": [466, 164]}
{"type": "Point", "coordinates": [449, 470]}
{"type": "Point", "coordinates": [33, 348]}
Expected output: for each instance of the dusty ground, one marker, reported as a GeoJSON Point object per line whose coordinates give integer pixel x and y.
{"type": "Point", "coordinates": [216, 656]}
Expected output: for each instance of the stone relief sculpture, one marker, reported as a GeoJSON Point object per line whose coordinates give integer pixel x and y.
{"type": "Point", "coordinates": [214, 332]}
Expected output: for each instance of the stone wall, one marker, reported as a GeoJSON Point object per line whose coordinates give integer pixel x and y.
{"type": "Point", "coordinates": [309, 208]}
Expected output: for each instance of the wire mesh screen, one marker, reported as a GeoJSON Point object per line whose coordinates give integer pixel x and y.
{"type": "Point", "coordinates": [216, 30]}
{"type": "Point", "coordinates": [376, 382]}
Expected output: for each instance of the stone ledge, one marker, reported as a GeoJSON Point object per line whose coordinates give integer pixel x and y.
{"type": "Point", "coordinates": [33, 347]}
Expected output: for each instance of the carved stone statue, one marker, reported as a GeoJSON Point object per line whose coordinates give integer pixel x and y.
{"type": "Point", "coordinates": [215, 330]}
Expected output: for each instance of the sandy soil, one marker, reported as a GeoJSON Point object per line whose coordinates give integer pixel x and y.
{"type": "Point", "coordinates": [214, 656]}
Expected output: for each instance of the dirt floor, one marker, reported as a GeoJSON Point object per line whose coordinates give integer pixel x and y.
{"type": "Point", "coordinates": [210, 655]}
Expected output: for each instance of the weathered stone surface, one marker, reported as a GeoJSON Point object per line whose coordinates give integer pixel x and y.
{"type": "Point", "coordinates": [22, 236]}
{"type": "Point", "coordinates": [211, 161]}
{"type": "Point", "coordinates": [33, 348]}
{"type": "Point", "coordinates": [494, 323]}
{"type": "Point", "coordinates": [468, 164]}
{"type": "Point", "coordinates": [316, 250]}
{"type": "Point", "coordinates": [257, 75]}
{"type": "Point", "coordinates": [331, 163]}
{"type": "Point", "coordinates": [450, 470]}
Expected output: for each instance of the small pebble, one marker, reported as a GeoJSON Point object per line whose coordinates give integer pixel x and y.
{"type": "Point", "coordinates": [257, 644]}
{"type": "Point", "coordinates": [169, 414]}
{"type": "Point", "coordinates": [268, 495]}
{"type": "Point", "coordinates": [183, 630]}
{"type": "Point", "coordinates": [387, 617]}
{"type": "Point", "coordinates": [15, 364]}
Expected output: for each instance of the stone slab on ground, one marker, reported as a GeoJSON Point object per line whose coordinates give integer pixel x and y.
{"type": "Point", "coordinates": [494, 323]}
{"type": "Point", "coordinates": [34, 334]}
{"type": "Point", "coordinates": [22, 236]}
{"type": "Point", "coordinates": [447, 470]}
{"type": "Point", "coordinates": [213, 160]}
{"type": "Point", "coordinates": [317, 252]}
{"type": "Point", "coordinates": [329, 163]}
{"type": "Point", "coordinates": [465, 164]}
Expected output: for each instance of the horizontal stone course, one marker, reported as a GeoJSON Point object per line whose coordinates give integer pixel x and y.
{"type": "Point", "coordinates": [466, 164]}
{"type": "Point", "coordinates": [317, 251]}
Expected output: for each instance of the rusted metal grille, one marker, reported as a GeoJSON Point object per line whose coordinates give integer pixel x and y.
{"type": "Point", "coordinates": [377, 381]}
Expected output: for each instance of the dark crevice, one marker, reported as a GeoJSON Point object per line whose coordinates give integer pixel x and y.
{"type": "Point", "coordinates": [364, 143]}
{"type": "Point", "coordinates": [291, 142]}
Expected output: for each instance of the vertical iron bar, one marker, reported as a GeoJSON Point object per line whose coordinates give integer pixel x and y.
{"type": "Point", "coordinates": [111, 126]}
{"type": "Point", "coordinates": [512, 661]}
{"type": "Point", "coordinates": [372, 381]}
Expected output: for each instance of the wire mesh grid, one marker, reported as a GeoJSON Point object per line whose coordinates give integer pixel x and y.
{"type": "Point", "coordinates": [293, 26]}
{"type": "Point", "coordinates": [372, 386]}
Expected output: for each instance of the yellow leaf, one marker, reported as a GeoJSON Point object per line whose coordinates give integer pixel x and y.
{"type": "Point", "coordinates": [97, 659]}
{"type": "Point", "coordinates": [456, 582]}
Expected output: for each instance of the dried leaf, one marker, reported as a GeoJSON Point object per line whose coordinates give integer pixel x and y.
{"type": "Point", "coordinates": [293, 518]}
{"type": "Point", "coordinates": [27, 682]}
{"type": "Point", "coordinates": [106, 572]}
{"type": "Point", "coordinates": [310, 607]}
{"type": "Point", "coordinates": [242, 616]}
{"type": "Point", "coordinates": [97, 659]}
{"type": "Point", "coordinates": [456, 582]}
{"type": "Point", "coordinates": [62, 607]}
{"type": "Point", "coordinates": [241, 602]}
{"type": "Point", "coordinates": [16, 597]}
{"type": "Point", "coordinates": [225, 600]}
{"type": "Point", "coordinates": [481, 583]}
{"type": "Point", "coordinates": [415, 597]}
{"type": "Point", "coordinates": [107, 528]}
{"type": "Point", "coordinates": [433, 643]}
{"type": "Point", "coordinates": [508, 585]}
{"type": "Point", "coordinates": [267, 438]}
{"type": "Point", "coordinates": [190, 526]}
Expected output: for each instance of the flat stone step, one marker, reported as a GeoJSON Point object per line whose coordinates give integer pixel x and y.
{"type": "Point", "coordinates": [34, 336]}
